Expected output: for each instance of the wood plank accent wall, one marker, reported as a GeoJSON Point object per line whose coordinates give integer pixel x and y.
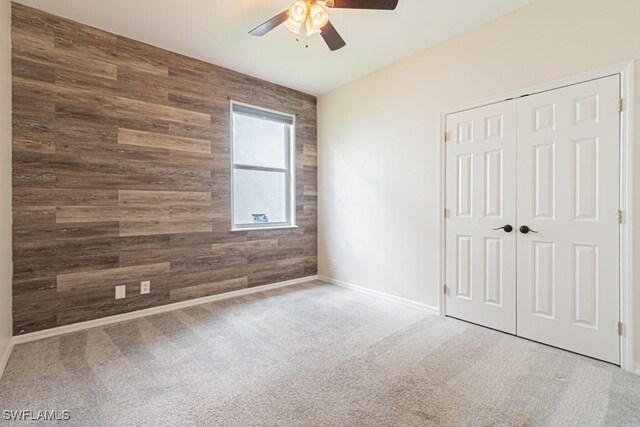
{"type": "Point", "coordinates": [121, 173]}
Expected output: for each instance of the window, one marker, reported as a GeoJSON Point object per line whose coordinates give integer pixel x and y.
{"type": "Point", "coordinates": [262, 179]}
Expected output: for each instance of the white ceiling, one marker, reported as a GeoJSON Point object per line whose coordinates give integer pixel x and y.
{"type": "Point", "coordinates": [216, 31]}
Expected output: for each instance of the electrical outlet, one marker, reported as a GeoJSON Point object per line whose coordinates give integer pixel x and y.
{"type": "Point", "coordinates": [121, 291]}
{"type": "Point", "coordinates": [145, 287]}
{"type": "Point", "coordinates": [334, 264]}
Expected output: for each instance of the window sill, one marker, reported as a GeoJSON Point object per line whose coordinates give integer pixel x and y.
{"type": "Point", "coordinates": [275, 227]}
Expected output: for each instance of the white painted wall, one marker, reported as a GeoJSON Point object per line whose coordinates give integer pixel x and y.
{"type": "Point", "coordinates": [5, 180]}
{"type": "Point", "coordinates": [378, 136]}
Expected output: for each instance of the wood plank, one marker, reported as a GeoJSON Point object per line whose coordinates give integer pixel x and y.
{"type": "Point", "coordinates": [41, 48]}
{"type": "Point", "coordinates": [68, 178]}
{"type": "Point", "coordinates": [304, 262]}
{"type": "Point", "coordinates": [264, 277]}
{"type": "Point", "coordinates": [110, 277]}
{"type": "Point", "coordinates": [151, 256]}
{"type": "Point", "coordinates": [35, 304]}
{"type": "Point", "coordinates": [207, 289]}
{"type": "Point", "coordinates": [246, 247]}
{"type": "Point", "coordinates": [33, 134]}
{"type": "Point", "coordinates": [195, 213]}
{"type": "Point", "coordinates": [163, 198]}
{"type": "Point", "coordinates": [45, 237]}
{"type": "Point", "coordinates": [130, 228]}
{"type": "Point", "coordinates": [30, 196]}
{"type": "Point", "coordinates": [144, 86]}
{"type": "Point", "coordinates": [31, 173]}
{"type": "Point", "coordinates": [186, 239]}
{"type": "Point", "coordinates": [210, 263]}
{"type": "Point", "coordinates": [62, 263]}
{"type": "Point", "coordinates": [78, 214]}
{"type": "Point", "coordinates": [32, 70]}
{"type": "Point", "coordinates": [140, 56]}
{"type": "Point", "coordinates": [149, 139]}
{"type": "Point", "coordinates": [147, 109]}
{"type": "Point", "coordinates": [34, 215]}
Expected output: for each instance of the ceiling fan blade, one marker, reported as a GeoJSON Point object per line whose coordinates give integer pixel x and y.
{"type": "Point", "coordinates": [272, 23]}
{"type": "Point", "coordinates": [363, 4]}
{"type": "Point", "coordinates": [332, 38]}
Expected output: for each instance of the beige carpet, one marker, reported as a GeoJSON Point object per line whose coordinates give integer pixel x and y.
{"type": "Point", "coordinates": [313, 355]}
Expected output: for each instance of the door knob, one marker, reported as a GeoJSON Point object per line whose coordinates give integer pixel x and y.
{"type": "Point", "coordinates": [524, 230]}
{"type": "Point", "coordinates": [507, 228]}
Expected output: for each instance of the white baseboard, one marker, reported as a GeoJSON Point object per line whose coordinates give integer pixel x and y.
{"type": "Point", "coordinates": [415, 304]}
{"type": "Point", "coordinates": [4, 357]}
{"type": "Point", "coordinates": [636, 368]}
{"type": "Point", "coordinates": [61, 330]}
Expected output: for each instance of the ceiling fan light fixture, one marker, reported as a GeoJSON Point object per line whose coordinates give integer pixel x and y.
{"type": "Point", "coordinates": [318, 16]}
{"type": "Point", "coordinates": [298, 12]}
{"type": "Point", "coordinates": [311, 28]}
{"type": "Point", "coordinates": [305, 18]}
{"type": "Point", "coordinates": [293, 26]}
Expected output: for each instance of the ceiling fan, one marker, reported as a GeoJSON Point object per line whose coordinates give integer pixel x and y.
{"type": "Point", "coordinates": [309, 17]}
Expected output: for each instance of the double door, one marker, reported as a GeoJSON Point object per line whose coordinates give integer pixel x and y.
{"type": "Point", "coordinates": [532, 230]}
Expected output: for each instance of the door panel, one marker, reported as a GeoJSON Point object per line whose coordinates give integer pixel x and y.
{"type": "Point", "coordinates": [568, 191]}
{"type": "Point", "coordinates": [481, 196]}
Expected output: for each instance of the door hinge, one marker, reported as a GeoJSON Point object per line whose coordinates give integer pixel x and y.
{"type": "Point", "coordinates": [447, 136]}
{"type": "Point", "coordinates": [446, 290]}
{"type": "Point", "coordinates": [620, 328]}
{"type": "Point", "coordinates": [446, 213]}
{"type": "Point", "coordinates": [621, 216]}
{"type": "Point", "coordinates": [621, 105]}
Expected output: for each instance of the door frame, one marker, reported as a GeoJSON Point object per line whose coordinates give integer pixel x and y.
{"type": "Point", "coordinates": [626, 70]}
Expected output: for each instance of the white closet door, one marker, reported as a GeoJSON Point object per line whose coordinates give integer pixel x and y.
{"type": "Point", "coordinates": [568, 192]}
{"type": "Point", "coordinates": [481, 197]}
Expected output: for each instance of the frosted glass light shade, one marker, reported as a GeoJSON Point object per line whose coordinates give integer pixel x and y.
{"type": "Point", "coordinates": [319, 17]}
{"type": "Point", "coordinates": [311, 29]}
{"type": "Point", "coordinates": [298, 11]}
{"type": "Point", "coordinates": [293, 26]}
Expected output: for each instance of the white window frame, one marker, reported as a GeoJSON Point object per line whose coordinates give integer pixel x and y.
{"type": "Point", "coordinates": [290, 176]}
